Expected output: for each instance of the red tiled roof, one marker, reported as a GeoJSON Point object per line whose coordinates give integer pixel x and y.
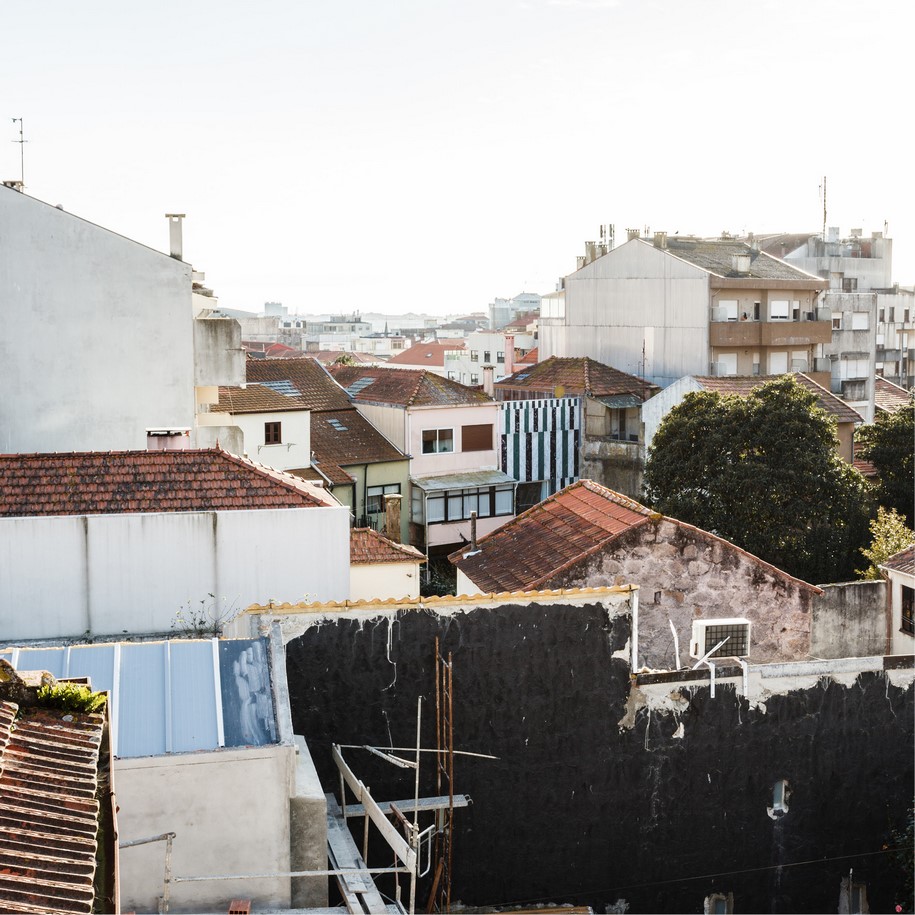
{"type": "Point", "coordinates": [305, 375]}
{"type": "Point", "coordinates": [255, 398]}
{"type": "Point", "coordinates": [579, 376]}
{"type": "Point", "coordinates": [432, 354]}
{"type": "Point", "coordinates": [328, 357]}
{"type": "Point", "coordinates": [346, 437]}
{"type": "Point", "coordinates": [118, 482]}
{"type": "Point", "coordinates": [405, 387]}
{"type": "Point", "coordinates": [49, 814]}
{"type": "Point", "coordinates": [368, 547]}
{"type": "Point", "coordinates": [865, 468]}
{"type": "Point", "coordinates": [520, 322]}
{"type": "Point", "coordinates": [743, 384]}
{"type": "Point", "coordinates": [538, 543]}
{"type": "Point", "coordinates": [889, 397]}
{"type": "Point", "coordinates": [903, 561]}
{"type": "Point", "coordinates": [531, 357]}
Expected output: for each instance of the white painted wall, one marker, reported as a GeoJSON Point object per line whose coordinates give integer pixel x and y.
{"type": "Point", "coordinates": [110, 574]}
{"type": "Point", "coordinates": [230, 812]}
{"type": "Point", "coordinates": [656, 408]}
{"type": "Point", "coordinates": [458, 461]}
{"type": "Point", "coordinates": [466, 585]}
{"type": "Point", "coordinates": [122, 318]}
{"type": "Point", "coordinates": [900, 642]}
{"type": "Point", "coordinates": [384, 580]}
{"type": "Point", "coordinates": [295, 449]}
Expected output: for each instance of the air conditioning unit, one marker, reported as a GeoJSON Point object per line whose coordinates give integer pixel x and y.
{"type": "Point", "coordinates": [708, 633]}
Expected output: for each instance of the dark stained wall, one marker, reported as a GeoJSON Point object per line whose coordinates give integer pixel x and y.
{"type": "Point", "coordinates": [577, 809]}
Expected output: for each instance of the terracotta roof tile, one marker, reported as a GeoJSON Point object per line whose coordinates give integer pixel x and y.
{"type": "Point", "coordinates": [531, 357]}
{"type": "Point", "coordinates": [903, 561]}
{"type": "Point", "coordinates": [889, 397]}
{"type": "Point", "coordinates": [368, 547]}
{"type": "Point", "coordinates": [256, 398]}
{"type": "Point", "coordinates": [303, 376]}
{"type": "Point", "coordinates": [742, 385]}
{"type": "Point", "coordinates": [49, 813]}
{"type": "Point", "coordinates": [580, 376]}
{"type": "Point", "coordinates": [346, 438]}
{"type": "Point", "coordinates": [404, 387]}
{"type": "Point", "coordinates": [431, 354]}
{"type": "Point", "coordinates": [116, 482]}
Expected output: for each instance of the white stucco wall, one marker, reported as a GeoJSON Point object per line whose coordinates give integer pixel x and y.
{"type": "Point", "coordinates": [121, 316]}
{"type": "Point", "coordinates": [294, 451]}
{"type": "Point", "coordinates": [900, 642]}
{"type": "Point", "coordinates": [111, 574]}
{"type": "Point", "coordinates": [384, 580]}
{"type": "Point", "coordinates": [229, 810]}
{"type": "Point", "coordinates": [422, 418]}
{"type": "Point", "coordinates": [656, 408]}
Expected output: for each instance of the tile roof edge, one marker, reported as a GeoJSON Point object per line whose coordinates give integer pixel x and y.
{"type": "Point", "coordinates": [423, 602]}
{"type": "Point", "coordinates": [287, 480]}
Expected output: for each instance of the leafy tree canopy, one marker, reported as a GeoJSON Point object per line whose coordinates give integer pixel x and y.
{"type": "Point", "coordinates": [763, 472]}
{"type": "Point", "coordinates": [889, 535]}
{"type": "Point", "coordinates": [889, 444]}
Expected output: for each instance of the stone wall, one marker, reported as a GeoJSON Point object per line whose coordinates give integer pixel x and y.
{"type": "Point", "coordinates": [685, 574]}
{"type": "Point", "coordinates": [849, 620]}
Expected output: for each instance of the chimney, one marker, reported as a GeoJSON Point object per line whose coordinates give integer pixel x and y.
{"type": "Point", "coordinates": [392, 517]}
{"type": "Point", "coordinates": [488, 386]}
{"type": "Point", "coordinates": [740, 263]}
{"type": "Point", "coordinates": [474, 549]}
{"type": "Point", "coordinates": [632, 233]}
{"type": "Point", "coordinates": [660, 239]}
{"type": "Point", "coordinates": [509, 354]}
{"type": "Point", "coordinates": [174, 234]}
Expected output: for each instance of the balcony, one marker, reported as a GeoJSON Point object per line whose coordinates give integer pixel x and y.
{"type": "Point", "coordinates": [755, 334]}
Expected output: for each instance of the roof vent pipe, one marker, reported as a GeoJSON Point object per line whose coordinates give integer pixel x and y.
{"type": "Point", "coordinates": [474, 549]}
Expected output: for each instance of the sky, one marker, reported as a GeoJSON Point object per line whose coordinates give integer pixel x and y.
{"type": "Point", "coordinates": [431, 155]}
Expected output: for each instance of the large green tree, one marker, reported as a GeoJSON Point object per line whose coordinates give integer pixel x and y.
{"type": "Point", "coordinates": [889, 444]}
{"type": "Point", "coordinates": [762, 471]}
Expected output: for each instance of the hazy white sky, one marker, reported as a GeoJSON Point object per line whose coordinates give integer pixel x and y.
{"type": "Point", "coordinates": [423, 155]}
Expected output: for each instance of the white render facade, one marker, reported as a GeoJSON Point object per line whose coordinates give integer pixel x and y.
{"type": "Point", "coordinates": [128, 354]}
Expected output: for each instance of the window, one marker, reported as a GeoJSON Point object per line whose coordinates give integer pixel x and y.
{"type": "Point", "coordinates": [780, 795]}
{"type": "Point", "coordinates": [860, 320]}
{"type": "Point", "coordinates": [474, 379]}
{"type": "Point", "coordinates": [438, 441]}
{"type": "Point", "coordinates": [500, 357]}
{"type": "Point", "coordinates": [881, 315]}
{"type": "Point", "coordinates": [728, 363]}
{"type": "Point", "coordinates": [908, 609]}
{"type": "Point", "coordinates": [853, 368]}
{"type": "Point", "coordinates": [730, 308]}
{"type": "Point", "coordinates": [487, 355]}
{"type": "Point", "coordinates": [850, 284]}
{"type": "Point", "coordinates": [756, 311]}
{"type": "Point", "coordinates": [477, 437]}
{"type": "Point", "coordinates": [905, 316]}
{"type": "Point", "coordinates": [795, 310]}
{"type": "Point", "coordinates": [837, 320]}
{"type": "Point", "coordinates": [273, 433]}
{"type": "Point", "coordinates": [474, 355]}
{"type": "Point", "coordinates": [718, 904]}
{"type": "Point", "coordinates": [457, 504]}
{"type": "Point", "coordinates": [374, 497]}
{"type": "Point", "coordinates": [779, 310]}
{"type": "Point", "coordinates": [778, 363]}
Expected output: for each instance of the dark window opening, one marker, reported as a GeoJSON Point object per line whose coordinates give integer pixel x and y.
{"type": "Point", "coordinates": [273, 433]}
{"type": "Point", "coordinates": [908, 608]}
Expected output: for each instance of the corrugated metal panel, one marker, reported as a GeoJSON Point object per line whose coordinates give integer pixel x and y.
{"type": "Point", "coordinates": [176, 696]}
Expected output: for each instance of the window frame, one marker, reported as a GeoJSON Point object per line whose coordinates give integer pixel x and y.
{"type": "Point", "coordinates": [907, 609]}
{"type": "Point", "coordinates": [273, 432]}
{"type": "Point", "coordinates": [438, 440]}
{"type": "Point", "coordinates": [386, 489]}
{"type": "Point", "coordinates": [457, 504]}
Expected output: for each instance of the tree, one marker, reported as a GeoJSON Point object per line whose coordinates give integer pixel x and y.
{"type": "Point", "coordinates": [889, 444]}
{"type": "Point", "coordinates": [889, 535]}
{"type": "Point", "coordinates": [763, 472]}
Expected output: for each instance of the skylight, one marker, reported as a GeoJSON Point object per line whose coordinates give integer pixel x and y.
{"type": "Point", "coordinates": [337, 425]}
{"type": "Point", "coordinates": [359, 385]}
{"type": "Point", "coordinates": [286, 387]}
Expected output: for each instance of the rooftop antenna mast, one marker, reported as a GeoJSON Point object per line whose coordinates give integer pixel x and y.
{"type": "Point", "coordinates": [21, 141]}
{"type": "Point", "coordinates": [824, 209]}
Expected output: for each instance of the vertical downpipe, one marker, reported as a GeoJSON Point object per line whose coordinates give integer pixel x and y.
{"type": "Point", "coordinates": [634, 638]}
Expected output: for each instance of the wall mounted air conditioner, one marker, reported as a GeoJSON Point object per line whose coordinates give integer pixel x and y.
{"type": "Point", "coordinates": [707, 634]}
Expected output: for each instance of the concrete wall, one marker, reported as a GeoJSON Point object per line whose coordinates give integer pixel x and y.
{"type": "Point", "coordinates": [636, 295]}
{"type": "Point", "coordinates": [900, 642]}
{"type": "Point", "coordinates": [218, 356]}
{"type": "Point", "coordinates": [111, 574]}
{"type": "Point", "coordinates": [230, 812]}
{"type": "Point", "coordinates": [656, 408]}
{"type": "Point", "coordinates": [685, 574]}
{"type": "Point", "coordinates": [121, 313]}
{"type": "Point", "coordinates": [384, 580]}
{"type": "Point", "coordinates": [849, 620]}
{"type": "Point", "coordinates": [391, 422]}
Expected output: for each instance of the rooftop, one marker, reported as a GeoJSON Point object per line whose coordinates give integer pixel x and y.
{"type": "Point", "coordinates": [255, 398]}
{"type": "Point", "coordinates": [577, 376]}
{"type": "Point", "coordinates": [530, 551]}
{"type": "Point", "coordinates": [431, 354]}
{"type": "Point", "coordinates": [903, 561]}
{"type": "Point", "coordinates": [49, 814]}
{"type": "Point", "coordinates": [303, 377]}
{"type": "Point", "coordinates": [717, 257]}
{"type": "Point", "coordinates": [133, 482]}
{"type": "Point", "coordinates": [889, 397]}
{"type": "Point", "coordinates": [369, 547]}
{"type": "Point", "coordinates": [742, 385]}
{"type": "Point", "coordinates": [405, 387]}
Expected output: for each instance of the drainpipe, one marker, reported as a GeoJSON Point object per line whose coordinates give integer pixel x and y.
{"type": "Point", "coordinates": [634, 638]}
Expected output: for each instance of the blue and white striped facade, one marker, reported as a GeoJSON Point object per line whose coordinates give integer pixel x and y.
{"type": "Point", "coordinates": [541, 440]}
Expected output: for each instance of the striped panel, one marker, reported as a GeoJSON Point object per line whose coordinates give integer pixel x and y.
{"type": "Point", "coordinates": [541, 440]}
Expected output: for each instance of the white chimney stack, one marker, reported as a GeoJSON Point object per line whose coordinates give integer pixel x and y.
{"type": "Point", "coordinates": [174, 234]}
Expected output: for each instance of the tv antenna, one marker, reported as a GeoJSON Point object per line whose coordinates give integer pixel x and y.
{"type": "Point", "coordinates": [21, 141]}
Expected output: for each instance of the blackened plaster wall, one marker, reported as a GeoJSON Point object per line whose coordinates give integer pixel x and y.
{"type": "Point", "coordinates": [578, 808]}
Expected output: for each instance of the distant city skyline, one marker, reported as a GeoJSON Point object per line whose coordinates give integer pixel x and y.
{"type": "Point", "coordinates": [431, 157]}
